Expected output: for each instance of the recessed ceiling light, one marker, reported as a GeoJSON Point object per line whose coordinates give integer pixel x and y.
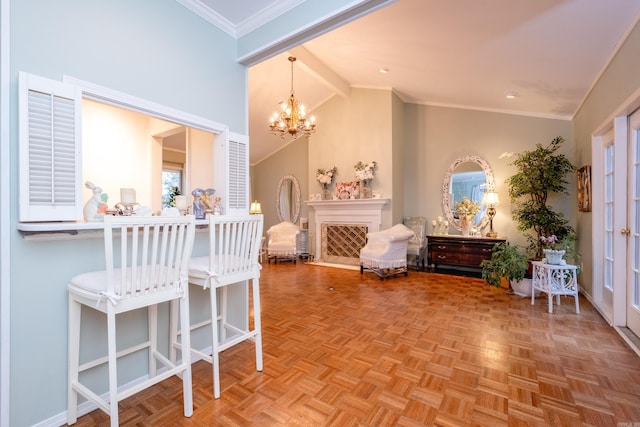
{"type": "Point", "coordinates": [512, 95]}
{"type": "Point", "coordinates": [384, 70]}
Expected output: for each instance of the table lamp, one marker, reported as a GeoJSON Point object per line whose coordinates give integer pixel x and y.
{"type": "Point", "coordinates": [255, 207]}
{"type": "Point", "coordinates": [491, 199]}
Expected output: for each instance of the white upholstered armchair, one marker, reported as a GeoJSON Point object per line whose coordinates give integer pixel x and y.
{"type": "Point", "coordinates": [281, 243]}
{"type": "Point", "coordinates": [386, 251]}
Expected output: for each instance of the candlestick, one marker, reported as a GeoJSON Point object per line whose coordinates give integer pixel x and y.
{"type": "Point", "coordinates": [181, 203]}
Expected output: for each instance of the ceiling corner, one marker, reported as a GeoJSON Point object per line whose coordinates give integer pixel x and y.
{"type": "Point", "coordinates": [210, 16]}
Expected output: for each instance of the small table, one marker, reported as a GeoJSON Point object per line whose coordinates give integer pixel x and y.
{"type": "Point", "coordinates": [555, 279]}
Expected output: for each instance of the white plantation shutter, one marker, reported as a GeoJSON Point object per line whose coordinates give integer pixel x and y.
{"type": "Point", "coordinates": [50, 155]}
{"type": "Point", "coordinates": [238, 175]}
{"type": "Point", "coordinates": [231, 172]}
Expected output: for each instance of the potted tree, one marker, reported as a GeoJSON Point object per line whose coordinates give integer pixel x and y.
{"type": "Point", "coordinates": [509, 262]}
{"type": "Point", "coordinates": [541, 172]}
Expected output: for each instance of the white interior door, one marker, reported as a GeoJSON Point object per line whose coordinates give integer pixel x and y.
{"type": "Point", "coordinates": [610, 219]}
{"type": "Point", "coordinates": [633, 230]}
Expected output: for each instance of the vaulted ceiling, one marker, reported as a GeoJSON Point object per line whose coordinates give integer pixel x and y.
{"type": "Point", "coordinates": [458, 53]}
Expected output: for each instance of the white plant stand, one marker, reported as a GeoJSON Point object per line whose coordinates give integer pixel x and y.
{"type": "Point", "coordinates": [555, 280]}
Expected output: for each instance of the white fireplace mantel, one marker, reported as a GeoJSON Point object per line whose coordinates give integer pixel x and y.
{"type": "Point", "coordinates": [359, 211]}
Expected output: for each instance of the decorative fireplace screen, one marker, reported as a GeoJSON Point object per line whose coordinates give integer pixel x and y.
{"type": "Point", "coordinates": [341, 243]}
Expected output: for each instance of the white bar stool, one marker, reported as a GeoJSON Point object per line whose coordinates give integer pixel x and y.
{"type": "Point", "coordinates": [148, 266]}
{"type": "Point", "coordinates": [234, 247]}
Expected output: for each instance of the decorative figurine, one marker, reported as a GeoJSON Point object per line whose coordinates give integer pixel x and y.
{"type": "Point", "coordinates": [207, 199]}
{"type": "Point", "coordinates": [217, 207]}
{"type": "Point", "coordinates": [102, 209]}
{"type": "Point", "coordinates": [96, 206]}
{"type": "Point", "coordinates": [198, 205]}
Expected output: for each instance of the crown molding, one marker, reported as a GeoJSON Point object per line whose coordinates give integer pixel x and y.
{"type": "Point", "coordinates": [249, 24]}
{"type": "Point", "coordinates": [210, 16]}
{"type": "Point", "coordinates": [265, 15]}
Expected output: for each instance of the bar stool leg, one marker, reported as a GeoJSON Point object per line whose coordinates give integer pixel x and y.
{"type": "Point", "coordinates": [187, 380]}
{"type": "Point", "coordinates": [215, 343]}
{"type": "Point", "coordinates": [112, 362]}
{"type": "Point", "coordinates": [257, 323]}
{"type": "Point", "coordinates": [73, 361]}
{"type": "Point", "coordinates": [152, 321]}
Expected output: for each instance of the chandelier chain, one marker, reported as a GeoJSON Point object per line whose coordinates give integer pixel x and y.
{"type": "Point", "coordinates": [292, 59]}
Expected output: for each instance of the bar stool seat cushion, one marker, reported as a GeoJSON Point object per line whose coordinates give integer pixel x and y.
{"type": "Point", "coordinates": [199, 266]}
{"type": "Point", "coordinates": [96, 281]}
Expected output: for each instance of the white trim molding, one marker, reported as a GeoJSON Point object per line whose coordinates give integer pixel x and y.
{"type": "Point", "coordinates": [121, 99]}
{"type": "Point", "coordinates": [5, 214]}
{"type": "Point", "coordinates": [248, 24]}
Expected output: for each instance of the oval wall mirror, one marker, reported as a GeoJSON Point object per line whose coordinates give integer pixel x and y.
{"type": "Point", "coordinates": [471, 177]}
{"type": "Point", "coordinates": [288, 199]}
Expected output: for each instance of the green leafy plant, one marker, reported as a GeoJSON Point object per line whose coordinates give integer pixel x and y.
{"type": "Point", "coordinates": [506, 261]}
{"type": "Point", "coordinates": [175, 191]}
{"type": "Point", "coordinates": [541, 173]}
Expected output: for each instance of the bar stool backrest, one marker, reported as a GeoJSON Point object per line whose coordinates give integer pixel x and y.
{"type": "Point", "coordinates": [234, 244]}
{"type": "Point", "coordinates": [152, 256]}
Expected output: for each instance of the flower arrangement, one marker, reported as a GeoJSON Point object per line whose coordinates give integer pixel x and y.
{"type": "Point", "coordinates": [550, 242]}
{"type": "Point", "coordinates": [364, 171]}
{"type": "Point", "coordinates": [325, 177]}
{"type": "Point", "coordinates": [467, 208]}
{"type": "Point", "coordinates": [552, 249]}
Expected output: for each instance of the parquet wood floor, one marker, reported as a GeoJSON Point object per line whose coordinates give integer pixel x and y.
{"type": "Point", "coordinates": [343, 349]}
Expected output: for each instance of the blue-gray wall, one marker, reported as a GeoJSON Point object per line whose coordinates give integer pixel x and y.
{"type": "Point", "coordinates": [152, 49]}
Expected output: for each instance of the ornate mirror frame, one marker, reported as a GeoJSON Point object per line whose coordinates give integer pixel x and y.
{"type": "Point", "coordinates": [295, 204]}
{"type": "Point", "coordinates": [446, 189]}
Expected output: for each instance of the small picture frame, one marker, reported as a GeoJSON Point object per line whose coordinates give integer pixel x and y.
{"type": "Point", "coordinates": [584, 189]}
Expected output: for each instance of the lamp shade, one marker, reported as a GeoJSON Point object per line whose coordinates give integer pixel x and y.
{"type": "Point", "coordinates": [490, 198]}
{"type": "Point", "coordinates": [255, 207]}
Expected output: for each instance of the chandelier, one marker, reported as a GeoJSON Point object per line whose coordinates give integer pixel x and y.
{"type": "Point", "coordinates": [291, 119]}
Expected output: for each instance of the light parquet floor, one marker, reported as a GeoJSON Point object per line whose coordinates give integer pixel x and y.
{"type": "Point", "coordinates": [345, 349]}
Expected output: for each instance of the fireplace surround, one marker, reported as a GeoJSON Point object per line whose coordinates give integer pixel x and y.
{"type": "Point", "coordinates": [355, 213]}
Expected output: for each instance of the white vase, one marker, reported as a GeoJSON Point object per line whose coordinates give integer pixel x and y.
{"type": "Point", "coordinates": [325, 193]}
{"type": "Point", "coordinates": [554, 256]}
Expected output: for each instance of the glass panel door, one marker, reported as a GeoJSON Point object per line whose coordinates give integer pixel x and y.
{"type": "Point", "coordinates": [608, 216]}
{"type": "Point", "coordinates": [633, 247]}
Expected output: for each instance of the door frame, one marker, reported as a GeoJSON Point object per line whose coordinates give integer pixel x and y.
{"type": "Point", "coordinates": [619, 121]}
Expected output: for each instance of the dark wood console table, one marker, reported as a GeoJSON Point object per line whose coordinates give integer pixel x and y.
{"type": "Point", "coordinates": [458, 253]}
